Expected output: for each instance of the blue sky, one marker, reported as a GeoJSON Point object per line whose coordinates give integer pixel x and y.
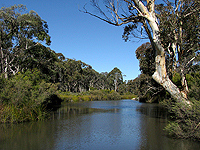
{"type": "Point", "coordinates": [83, 37]}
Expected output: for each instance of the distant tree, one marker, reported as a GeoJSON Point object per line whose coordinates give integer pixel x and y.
{"type": "Point", "coordinates": [133, 86]}
{"type": "Point", "coordinates": [115, 78]}
{"type": "Point", "coordinates": [101, 81]}
{"type": "Point", "coordinates": [146, 55]}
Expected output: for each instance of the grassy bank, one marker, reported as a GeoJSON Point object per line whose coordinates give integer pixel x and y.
{"type": "Point", "coordinates": [95, 95]}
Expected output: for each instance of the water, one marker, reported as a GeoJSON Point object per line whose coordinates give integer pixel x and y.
{"type": "Point", "coordinates": [98, 125]}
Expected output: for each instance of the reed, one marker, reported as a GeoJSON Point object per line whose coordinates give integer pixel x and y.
{"type": "Point", "coordinates": [10, 113]}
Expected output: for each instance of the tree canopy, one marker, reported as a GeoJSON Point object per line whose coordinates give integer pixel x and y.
{"type": "Point", "coordinates": [19, 31]}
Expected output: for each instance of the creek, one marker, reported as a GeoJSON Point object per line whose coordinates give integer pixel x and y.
{"type": "Point", "coordinates": [96, 125]}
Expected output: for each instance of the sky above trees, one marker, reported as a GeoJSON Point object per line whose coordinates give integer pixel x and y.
{"type": "Point", "coordinates": [83, 37]}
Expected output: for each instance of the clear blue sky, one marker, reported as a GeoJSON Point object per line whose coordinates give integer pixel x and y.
{"type": "Point", "coordinates": [83, 37]}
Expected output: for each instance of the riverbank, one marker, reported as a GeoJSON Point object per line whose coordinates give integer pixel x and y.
{"type": "Point", "coordinates": [94, 95]}
{"type": "Point", "coordinates": [27, 108]}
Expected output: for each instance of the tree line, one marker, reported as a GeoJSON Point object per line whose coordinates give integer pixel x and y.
{"type": "Point", "coordinates": [21, 50]}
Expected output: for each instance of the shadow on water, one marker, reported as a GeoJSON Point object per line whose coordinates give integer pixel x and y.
{"type": "Point", "coordinates": [153, 110]}
{"type": "Point", "coordinates": [155, 119]}
{"type": "Point", "coordinates": [75, 109]}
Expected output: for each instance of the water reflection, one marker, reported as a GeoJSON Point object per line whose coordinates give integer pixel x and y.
{"type": "Point", "coordinates": [101, 125]}
{"type": "Point", "coordinates": [153, 122]}
{"type": "Point", "coordinates": [153, 110]}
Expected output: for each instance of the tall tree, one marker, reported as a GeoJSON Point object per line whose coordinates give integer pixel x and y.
{"type": "Point", "coordinates": [139, 15]}
{"type": "Point", "coordinates": [19, 31]}
{"type": "Point", "coordinates": [115, 78]}
{"type": "Point", "coordinates": [179, 33]}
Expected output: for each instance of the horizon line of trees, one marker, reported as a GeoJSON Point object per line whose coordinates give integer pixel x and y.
{"type": "Point", "coordinates": [21, 35]}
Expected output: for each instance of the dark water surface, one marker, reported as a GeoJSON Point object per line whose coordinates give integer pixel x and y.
{"type": "Point", "coordinates": [97, 125]}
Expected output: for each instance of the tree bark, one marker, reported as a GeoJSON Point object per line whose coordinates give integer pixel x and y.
{"type": "Point", "coordinates": [160, 74]}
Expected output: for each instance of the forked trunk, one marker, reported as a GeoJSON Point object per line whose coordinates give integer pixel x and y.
{"type": "Point", "coordinates": [160, 75]}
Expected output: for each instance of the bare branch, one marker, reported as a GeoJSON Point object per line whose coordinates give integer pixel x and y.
{"type": "Point", "coordinates": [113, 9]}
{"type": "Point", "coordinates": [192, 11]}
{"type": "Point", "coordinates": [106, 20]}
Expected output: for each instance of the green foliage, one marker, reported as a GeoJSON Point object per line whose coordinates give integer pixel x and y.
{"type": "Point", "coordinates": [95, 95]}
{"type": "Point", "coordinates": [25, 95]}
{"type": "Point", "coordinates": [146, 57]}
{"type": "Point", "coordinates": [194, 85]}
{"type": "Point", "coordinates": [20, 32]}
{"type": "Point", "coordinates": [10, 113]}
{"type": "Point", "coordinates": [176, 79]}
{"type": "Point", "coordinates": [115, 79]}
{"type": "Point", "coordinates": [185, 119]}
{"type": "Point", "coordinates": [25, 87]}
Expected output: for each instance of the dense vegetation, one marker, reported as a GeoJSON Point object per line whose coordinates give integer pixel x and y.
{"type": "Point", "coordinates": [33, 77]}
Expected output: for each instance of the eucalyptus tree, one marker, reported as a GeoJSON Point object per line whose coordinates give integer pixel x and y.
{"type": "Point", "coordinates": [145, 55]}
{"type": "Point", "coordinates": [100, 81]}
{"type": "Point", "coordinates": [179, 33]}
{"type": "Point", "coordinates": [147, 87]}
{"type": "Point", "coordinates": [19, 31]}
{"type": "Point", "coordinates": [115, 78]}
{"type": "Point", "coordinates": [133, 86]}
{"type": "Point", "coordinates": [140, 18]}
{"type": "Point", "coordinates": [94, 80]}
{"type": "Point", "coordinates": [42, 58]}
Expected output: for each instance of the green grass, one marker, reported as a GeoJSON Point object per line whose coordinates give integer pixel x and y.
{"type": "Point", "coordinates": [95, 95]}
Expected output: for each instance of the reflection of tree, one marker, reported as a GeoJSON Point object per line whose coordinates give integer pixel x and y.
{"type": "Point", "coordinates": [153, 111]}
{"type": "Point", "coordinates": [152, 125]}
{"type": "Point", "coordinates": [88, 122]}
{"type": "Point", "coordinates": [35, 135]}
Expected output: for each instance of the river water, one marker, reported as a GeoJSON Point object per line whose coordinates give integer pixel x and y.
{"type": "Point", "coordinates": [96, 125]}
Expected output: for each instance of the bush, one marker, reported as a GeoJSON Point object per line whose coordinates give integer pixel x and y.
{"type": "Point", "coordinates": [94, 95]}
{"type": "Point", "coordinates": [185, 121]}
{"type": "Point", "coordinates": [129, 96]}
{"type": "Point", "coordinates": [25, 97]}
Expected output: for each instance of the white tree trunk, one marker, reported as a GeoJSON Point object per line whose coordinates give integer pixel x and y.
{"type": "Point", "coordinates": [160, 74]}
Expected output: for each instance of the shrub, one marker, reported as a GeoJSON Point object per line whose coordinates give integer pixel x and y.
{"type": "Point", "coordinates": [185, 121]}
{"type": "Point", "coordinates": [25, 97]}
{"type": "Point", "coordinates": [194, 85]}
